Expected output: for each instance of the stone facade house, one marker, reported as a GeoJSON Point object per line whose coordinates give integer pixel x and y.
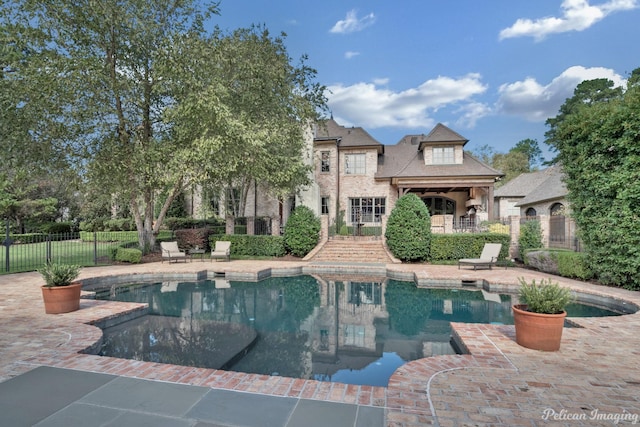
{"type": "Point", "coordinates": [358, 179]}
{"type": "Point", "coordinates": [362, 177]}
{"type": "Point", "coordinates": [540, 195]}
{"type": "Point", "coordinates": [532, 194]}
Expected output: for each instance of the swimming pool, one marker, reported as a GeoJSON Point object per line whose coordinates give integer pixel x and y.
{"type": "Point", "coordinates": [354, 329]}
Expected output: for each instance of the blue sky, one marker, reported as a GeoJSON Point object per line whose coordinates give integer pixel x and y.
{"type": "Point", "coordinates": [492, 71]}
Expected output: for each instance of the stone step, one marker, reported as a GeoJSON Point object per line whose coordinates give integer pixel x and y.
{"type": "Point", "coordinates": [353, 250]}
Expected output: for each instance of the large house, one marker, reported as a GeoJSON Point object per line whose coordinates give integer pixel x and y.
{"type": "Point", "coordinates": [357, 177]}
{"type": "Point", "coordinates": [362, 177]}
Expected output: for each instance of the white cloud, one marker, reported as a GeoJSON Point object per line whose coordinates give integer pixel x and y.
{"type": "Point", "coordinates": [577, 15]}
{"type": "Point", "coordinates": [470, 114]}
{"type": "Point", "coordinates": [373, 106]}
{"type": "Point", "coordinates": [535, 102]}
{"type": "Point", "coordinates": [351, 23]}
{"type": "Point", "coordinates": [350, 54]}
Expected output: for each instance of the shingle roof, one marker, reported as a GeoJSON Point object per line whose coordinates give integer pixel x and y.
{"type": "Point", "coordinates": [551, 188]}
{"type": "Point", "coordinates": [440, 134]}
{"type": "Point", "coordinates": [404, 160]}
{"type": "Point", "coordinates": [350, 137]}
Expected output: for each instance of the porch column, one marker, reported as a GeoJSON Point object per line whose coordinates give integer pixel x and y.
{"type": "Point", "coordinates": [490, 203]}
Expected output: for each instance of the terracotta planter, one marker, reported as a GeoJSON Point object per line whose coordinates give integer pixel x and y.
{"type": "Point", "coordinates": [61, 299]}
{"type": "Point", "coordinates": [538, 331]}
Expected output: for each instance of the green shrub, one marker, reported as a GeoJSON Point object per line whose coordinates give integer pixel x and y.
{"type": "Point", "coordinates": [119, 236]}
{"type": "Point", "coordinates": [452, 247]}
{"type": "Point", "coordinates": [173, 223]}
{"type": "Point", "coordinates": [530, 237]}
{"type": "Point", "coordinates": [302, 231]}
{"type": "Point", "coordinates": [246, 245]}
{"type": "Point", "coordinates": [408, 231]}
{"type": "Point", "coordinates": [57, 227]}
{"type": "Point", "coordinates": [119, 224]}
{"type": "Point", "coordinates": [574, 264]}
{"type": "Point", "coordinates": [131, 255]}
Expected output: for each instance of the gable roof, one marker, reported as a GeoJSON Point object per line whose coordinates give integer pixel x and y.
{"type": "Point", "coordinates": [353, 137]}
{"type": "Point", "coordinates": [552, 187]}
{"type": "Point", "coordinates": [404, 160]}
{"type": "Point", "coordinates": [441, 134]}
{"type": "Point", "coordinates": [523, 184]}
{"type": "Point", "coordinates": [535, 187]}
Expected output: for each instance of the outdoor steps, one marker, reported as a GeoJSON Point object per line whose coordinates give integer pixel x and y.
{"type": "Point", "coordinates": [353, 249]}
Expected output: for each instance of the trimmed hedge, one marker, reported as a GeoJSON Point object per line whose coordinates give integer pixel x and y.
{"type": "Point", "coordinates": [452, 247]}
{"type": "Point", "coordinates": [119, 236]}
{"type": "Point", "coordinates": [574, 264]}
{"type": "Point", "coordinates": [174, 223]}
{"type": "Point", "coordinates": [246, 245]}
{"type": "Point", "coordinates": [131, 255]}
{"type": "Point", "coordinates": [562, 262]}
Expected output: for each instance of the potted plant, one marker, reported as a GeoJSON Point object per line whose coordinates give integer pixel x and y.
{"type": "Point", "coordinates": [61, 294]}
{"type": "Point", "coordinates": [539, 318]}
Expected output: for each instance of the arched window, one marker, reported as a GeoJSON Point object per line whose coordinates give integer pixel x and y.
{"type": "Point", "coordinates": [531, 212]}
{"type": "Point", "coordinates": [557, 209]}
{"type": "Point", "coordinates": [440, 205]}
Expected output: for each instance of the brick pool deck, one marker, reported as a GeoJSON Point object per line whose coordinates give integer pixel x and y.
{"type": "Point", "coordinates": [593, 380]}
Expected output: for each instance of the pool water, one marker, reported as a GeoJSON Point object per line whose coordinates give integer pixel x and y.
{"type": "Point", "coordinates": [354, 330]}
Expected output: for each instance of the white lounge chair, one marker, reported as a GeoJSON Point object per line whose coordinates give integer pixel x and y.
{"type": "Point", "coordinates": [488, 257]}
{"type": "Point", "coordinates": [222, 250]}
{"type": "Point", "coordinates": [172, 252]}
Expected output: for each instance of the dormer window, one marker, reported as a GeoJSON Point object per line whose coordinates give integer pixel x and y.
{"type": "Point", "coordinates": [443, 155]}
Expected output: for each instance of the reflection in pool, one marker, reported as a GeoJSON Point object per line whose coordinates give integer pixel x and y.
{"type": "Point", "coordinates": [354, 330]}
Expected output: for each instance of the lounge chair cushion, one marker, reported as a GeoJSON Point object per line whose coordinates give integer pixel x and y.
{"type": "Point", "coordinates": [222, 250]}
{"type": "Point", "coordinates": [488, 257]}
{"type": "Point", "coordinates": [172, 252]}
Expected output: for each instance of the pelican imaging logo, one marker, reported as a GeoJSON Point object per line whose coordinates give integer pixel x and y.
{"type": "Point", "coordinates": [550, 414]}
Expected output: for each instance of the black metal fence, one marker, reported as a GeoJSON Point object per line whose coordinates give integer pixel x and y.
{"type": "Point", "coordinates": [29, 252]}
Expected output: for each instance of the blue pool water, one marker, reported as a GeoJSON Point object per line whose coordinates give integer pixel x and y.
{"type": "Point", "coordinates": [354, 330]}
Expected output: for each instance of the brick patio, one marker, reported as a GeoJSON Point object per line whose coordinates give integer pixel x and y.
{"type": "Point", "coordinates": [498, 383]}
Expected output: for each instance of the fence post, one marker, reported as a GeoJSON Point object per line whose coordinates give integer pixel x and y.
{"type": "Point", "coordinates": [95, 248]}
{"type": "Point", "coordinates": [48, 248]}
{"type": "Point", "coordinates": [7, 242]}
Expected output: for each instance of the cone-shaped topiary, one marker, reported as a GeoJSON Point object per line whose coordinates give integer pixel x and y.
{"type": "Point", "coordinates": [408, 231]}
{"type": "Point", "coordinates": [302, 231]}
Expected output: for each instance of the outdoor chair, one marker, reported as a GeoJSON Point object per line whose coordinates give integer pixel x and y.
{"type": "Point", "coordinates": [222, 250]}
{"type": "Point", "coordinates": [488, 257]}
{"type": "Point", "coordinates": [172, 252]}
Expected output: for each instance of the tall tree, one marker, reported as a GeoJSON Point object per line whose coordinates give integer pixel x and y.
{"type": "Point", "coordinates": [588, 92]}
{"type": "Point", "coordinates": [266, 104]}
{"type": "Point", "coordinates": [530, 148]}
{"type": "Point", "coordinates": [135, 92]}
{"type": "Point", "coordinates": [598, 145]}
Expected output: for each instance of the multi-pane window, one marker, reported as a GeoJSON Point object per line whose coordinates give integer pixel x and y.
{"type": "Point", "coordinates": [367, 209]}
{"type": "Point", "coordinates": [355, 164]}
{"type": "Point", "coordinates": [324, 205]}
{"type": "Point", "coordinates": [443, 155]}
{"type": "Point", "coordinates": [325, 163]}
